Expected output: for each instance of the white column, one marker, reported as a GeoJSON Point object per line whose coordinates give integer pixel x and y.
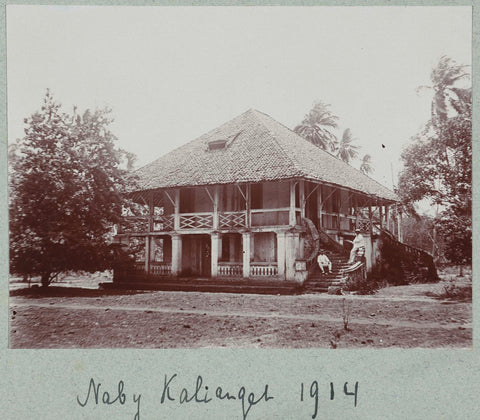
{"type": "Point", "coordinates": [176, 217]}
{"type": "Point", "coordinates": [215, 207]}
{"type": "Point", "coordinates": [291, 216]}
{"type": "Point", "coordinates": [301, 195]}
{"type": "Point", "coordinates": [147, 254]}
{"type": "Point", "coordinates": [176, 255]}
{"type": "Point", "coordinates": [214, 254]}
{"type": "Point", "coordinates": [246, 254]}
{"type": "Point", "coordinates": [319, 205]}
{"type": "Point", "coordinates": [281, 254]}
{"type": "Point", "coordinates": [290, 256]}
{"type": "Point", "coordinates": [248, 205]}
{"type": "Point", "coordinates": [400, 233]}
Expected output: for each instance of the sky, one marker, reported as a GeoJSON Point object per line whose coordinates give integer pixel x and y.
{"type": "Point", "coordinates": [171, 74]}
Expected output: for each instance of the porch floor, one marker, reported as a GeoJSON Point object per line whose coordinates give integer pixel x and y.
{"type": "Point", "coordinates": [201, 284]}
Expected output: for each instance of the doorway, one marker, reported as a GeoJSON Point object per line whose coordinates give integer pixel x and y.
{"type": "Point", "coordinates": [196, 255]}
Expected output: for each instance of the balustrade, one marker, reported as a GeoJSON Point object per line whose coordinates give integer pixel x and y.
{"type": "Point", "coordinates": [230, 269]}
{"type": "Point", "coordinates": [232, 219]}
{"type": "Point", "coordinates": [196, 220]}
{"type": "Point", "coordinates": [163, 223]}
{"type": "Point", "coordinates": [163, 269]}
{"type": "Point", "coordinates": [263, 269]}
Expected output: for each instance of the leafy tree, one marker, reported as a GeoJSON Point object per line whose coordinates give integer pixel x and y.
{"type": "Point", "coordinates": [345, 149]}
{"type": "Point", "coordinates": [447, 94]}
{"type": "Point", "coordinates": [438, 161]}
{"type": "Point", "coordinates": [317, 127]}
{"type": "Point", "coordinates": [366, 165]}
{"type": "Point", "coordinates": [66, 184]}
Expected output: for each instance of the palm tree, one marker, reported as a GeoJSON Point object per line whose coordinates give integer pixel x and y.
{"type": "Point", "coordinates": [446, 94]}
{"type": "Point", "coordinates": [366, 165]}
{"type": "Point", "coordinates": [317, 125]}
{"type": "Point", "coordinates": [345, 149]}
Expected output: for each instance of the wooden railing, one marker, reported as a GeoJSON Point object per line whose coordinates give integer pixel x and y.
{"type": "Point", "coordinates": [232, 219]}
{"type": "Point", "coordinates": [258, 269]}
{"type": "Point", "coordinates": [196, 220]}
{"type": "Point", "coordinates": [228, 269]}
{"type": "Point", "coordinates": [413, 258]}
{"type": "Point", "coordinates": [328, 242]}
{"type": "Point", "coordinates": [163, 223]}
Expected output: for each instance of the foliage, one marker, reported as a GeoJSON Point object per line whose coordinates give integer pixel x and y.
{"type": "Point", "coordinates": [366, 164]}
{"type": "Point", "coordinates": [462, 293]}
{"type": "Point", "coordinates": [317, 127]}
{"type": "Point", "coordinates": [418, 232]}
{"type": "Point", "coordinates": [345, 149]}
{"type": "Point", "coordinates": [438, 161]}
{"type": "Point", "coordinates": [66, 184]}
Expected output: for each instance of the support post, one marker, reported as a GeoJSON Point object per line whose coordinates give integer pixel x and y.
{"type": "Point", "coordinates": [150, 211]}
{"type": "Point", "coordinates": [301, 194]}
{"type": "Point", "coordinates": [400, 233]}
{"type": "Point", "coordinates": [147, 254]}
{"type": "Point", "coordinates": [214, 254]}
{"type": "Point", "coordinates": [281, 254]}
{"type": "Point", "coordinates": [248, 196]}
{"type": "Point", "coordinates": [246, 254]}
{"type": "Point", "coordinates": [370, 217]}
{"type": "Point", "coordinates": [290, 256]}
{"type": "Point", "coordinates": [320, 206]}
{"type": "Point", "coordinates": [291, 214]}
{"type": "Point", "coordinates": [176, 217]}
{"type": "Point", "coordinates": [215, 207]}
{"type": "Point", "coordinates": [176, 255]}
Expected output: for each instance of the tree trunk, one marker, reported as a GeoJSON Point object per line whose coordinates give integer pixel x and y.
{"type": "Point", "coordinates": [45, 279]}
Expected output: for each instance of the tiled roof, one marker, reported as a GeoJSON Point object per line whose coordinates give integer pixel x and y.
{"type": "Point", "coordinates": [258, 148]}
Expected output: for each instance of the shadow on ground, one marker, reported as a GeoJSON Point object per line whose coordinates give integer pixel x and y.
{"type": "Point", "coordinates": [59, 291]}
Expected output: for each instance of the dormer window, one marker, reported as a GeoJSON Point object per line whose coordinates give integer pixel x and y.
{"type": "Point", "coordinates": [217, 144]}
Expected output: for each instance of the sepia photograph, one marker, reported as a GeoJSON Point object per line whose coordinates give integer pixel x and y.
{"type": "Point", "coordinates": [239, 177]}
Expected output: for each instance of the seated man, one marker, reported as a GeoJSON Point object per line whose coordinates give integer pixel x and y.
{"type": "Point", "coordinates": [358, 242]}
{"type": "Point", "coordinates": [324, 262]}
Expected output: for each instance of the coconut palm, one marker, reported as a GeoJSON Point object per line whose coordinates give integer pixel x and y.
{"type": "Point", "coordinates": [317, 125]}
{"type": "Point", "coordinates": [446, 93]}
{"type": "Point", "coordinates": [345, 149]}
{"type": "Point", "coordinates": [366, 164]}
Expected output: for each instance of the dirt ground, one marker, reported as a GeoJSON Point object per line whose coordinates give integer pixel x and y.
{"type": "Point", "coordinates": [72, 317]}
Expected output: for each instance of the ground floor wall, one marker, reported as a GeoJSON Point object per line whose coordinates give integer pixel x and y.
{"type": "Point", "coordinates": [274, 254]}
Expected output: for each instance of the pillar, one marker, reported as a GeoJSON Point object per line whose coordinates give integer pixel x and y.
{"type": "Point", "coordinates": [281, 254]}
{"type": "Point", "coordinates": [246, 253]}
{"type": "Point", "coordinates": [176, 255]}
{"type": "Point", "coordinates": [368, 251]}
{"type": "Point", "coordinates": [319, 206]}
{"type": "Point", "coordinates": [290, 255]}
{"type": "Point", "coordinates": [291, 214]}
{"type": "Point", "coordinates": [400, 233]}
{"type": "Point", "coordinates": [147, 254]}
{"type": "Point", "coordinates": [214, 254]}
{"type": "Point", "coordinates": [301, 196]}
{"type": "Point", "coordinates": [215, 207]}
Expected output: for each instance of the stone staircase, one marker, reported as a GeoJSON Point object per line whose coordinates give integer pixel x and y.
{"type": "Point", "coordinates": [318, 282]}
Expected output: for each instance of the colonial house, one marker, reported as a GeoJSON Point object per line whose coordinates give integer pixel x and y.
{"type": "Point", "coordinates": [252, 200]}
